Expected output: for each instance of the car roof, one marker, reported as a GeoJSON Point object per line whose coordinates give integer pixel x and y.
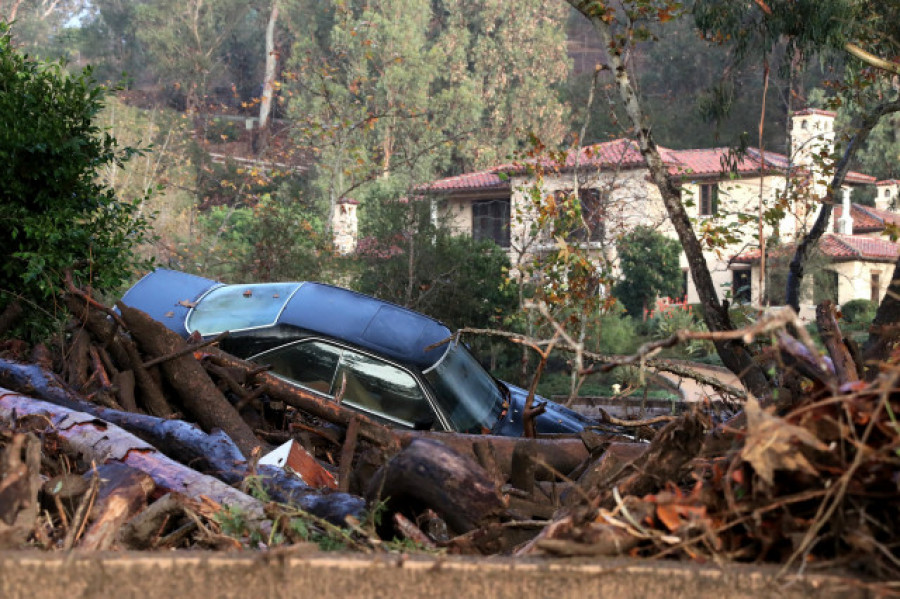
{"type": "Point", "coordinates": [394, 331]}
{"type": "Point", "coordinates": [319, 309]}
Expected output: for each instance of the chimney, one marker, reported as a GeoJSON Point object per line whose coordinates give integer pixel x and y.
{"type": "Point", "coordinates": [845, 222]}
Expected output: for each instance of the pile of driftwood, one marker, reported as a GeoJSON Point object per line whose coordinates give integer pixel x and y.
{"type": "Point", "coordinates": [132, 437]}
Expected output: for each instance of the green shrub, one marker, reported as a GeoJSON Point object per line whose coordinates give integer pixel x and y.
{"type": "Point", "coordinates": [617, 334]}
{"type": "Point", "coordinates": [55, 214]}
{"type": "Point", "coordinates": [859, 311]}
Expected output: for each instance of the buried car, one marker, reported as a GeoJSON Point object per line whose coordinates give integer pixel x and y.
{"type": "Point", "coordinates": [388, 362]}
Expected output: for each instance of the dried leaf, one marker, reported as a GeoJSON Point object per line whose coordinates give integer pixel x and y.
{"type": "Point", "coordinates": [772, 443]}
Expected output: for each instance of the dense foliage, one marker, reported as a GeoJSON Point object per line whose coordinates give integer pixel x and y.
{"type": "Point", "coordinates": [54, 214]}
{"type": "Point", "coordinates": [650, 269]}
{"type": "Point", "coordinates": [410, 259]}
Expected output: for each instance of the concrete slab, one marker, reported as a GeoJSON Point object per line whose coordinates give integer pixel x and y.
{"type": "Point", "coordinates": [290, 573]}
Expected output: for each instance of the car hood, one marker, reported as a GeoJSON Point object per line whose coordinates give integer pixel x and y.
{"type": "Point", "coordinates": [555, 419]}
{"type": "Point", "coordinates": [167, 296]}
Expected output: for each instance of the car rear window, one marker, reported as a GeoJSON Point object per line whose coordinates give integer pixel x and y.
{"type": "Point", "coordinates": [237, 307]}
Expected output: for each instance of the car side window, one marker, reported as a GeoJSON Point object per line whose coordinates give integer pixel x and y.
{"type": "Point", "coordinates": [382, 388]}
{"type": "Point", "coordinates": [310, 364]}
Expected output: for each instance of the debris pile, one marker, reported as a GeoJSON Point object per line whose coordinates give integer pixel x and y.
{"type": "Point", "coordinates": [133, 438]}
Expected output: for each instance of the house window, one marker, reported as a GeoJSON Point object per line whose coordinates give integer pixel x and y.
{"type": "Point", "coordinates": [709, 199]}
{"type": "Point", "coordinates": [592, 229]}
{"type": "Point", "coordinates": [490, 221]}
{"type": "Point", "coordinates": [740, 286]}
{"type": "Point", "coordinates": [876, 287]}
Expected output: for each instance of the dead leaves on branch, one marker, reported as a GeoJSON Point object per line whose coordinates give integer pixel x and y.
{"type": "Point", "coordinates": [772, 444]}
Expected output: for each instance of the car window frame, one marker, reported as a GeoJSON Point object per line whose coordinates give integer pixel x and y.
{"type": "Point", "coordinates": [440, 418]}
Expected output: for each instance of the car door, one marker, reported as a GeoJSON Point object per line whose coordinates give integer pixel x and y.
{"type": "Point", "coordinates": [364, 382]}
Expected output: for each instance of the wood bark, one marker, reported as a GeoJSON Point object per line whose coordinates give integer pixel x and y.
{"type": "Point", "coordinates": [100, 441]}
{"type": "Point", "coordinates": [561, 454]}
{"type": "Point", "coordinates": [20, 481]}
{"type": "Point", "coordinates": [144, 531]}
{"type": "Point", "coordinates": [124, 492]}
{"type": "Point", "coordinates": [430, 474]}
{"type": "Point", "coordinates": [124, 352]}
{"type": "Point", "coordinates": [214, 454]}
{"type": "Point", "coordinates": [844, 364]}
{"type": "Point", "coordinates": [199, 395]}
{"type": "Point", "coordinates": [734, 353]}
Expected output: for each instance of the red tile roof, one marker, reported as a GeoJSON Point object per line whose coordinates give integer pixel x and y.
{"type": "Point", "coordinates": [840, 248]}
{"type": "Point", "coordinates": [867, 219]}
{"type": "Point", "coordinates": [622, 153]}
{"type": "Point", "coordinates": [888, 182]}
{"type": "Point", "coordinates": [482, 180]}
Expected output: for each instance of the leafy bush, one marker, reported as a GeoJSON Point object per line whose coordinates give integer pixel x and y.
{"type": "Point", "coordinates": [859, 311]}
{"type": "Point", "coordinates": [617, 334]}
{"type": "Point", "coordinates": [650, 269]}
{"type": "Point", "coordinates": [55, 215]}
{"type": "Point", "coordinates": [411, 260]}
{"type": "Point", "coordinates": [668, 319]}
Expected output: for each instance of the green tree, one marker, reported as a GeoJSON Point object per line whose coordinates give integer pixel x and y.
{"type": "Point", "coordinates": [411, 260]}
{"type": "Point", "coordinates": [186, 40]}
{"type": "Point", "coordinates": [54, 214]}
{"type": "Point", "coordinates": [650, 269]}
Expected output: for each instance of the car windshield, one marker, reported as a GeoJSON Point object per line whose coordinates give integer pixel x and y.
{"type": "Point", "coordinates": [465, 391]}
{"type": "Point", "coordinates": [236, 307]}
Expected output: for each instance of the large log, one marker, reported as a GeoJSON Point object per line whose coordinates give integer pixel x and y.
{"type": "Point", "coordinates": [214, 454]}
{"type": "Point", "coordinates": [100, 441]}
{"type": "Point", "coordinates": [430, 474]}
{"type": "Point", "coordinates": [198, 393]}
{"type": "Point", "coordinates": [562, 454]}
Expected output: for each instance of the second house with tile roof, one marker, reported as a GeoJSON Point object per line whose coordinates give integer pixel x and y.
{"type": "Point", "coordinates": [724, 194]}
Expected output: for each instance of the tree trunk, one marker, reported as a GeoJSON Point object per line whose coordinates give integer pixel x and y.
{"type": "Point", "coordinates": [198, 393]}
{"type": "Point", "coordinates": [801, 254]}
{"type": "Point", "coordinates": [430, 474]}
{"type": "Point", "coordinates": [734, 353]}
{"type": "Point", "coordinates": [99, 441]}
{"type": "Point", "coordinates": [265, 103]}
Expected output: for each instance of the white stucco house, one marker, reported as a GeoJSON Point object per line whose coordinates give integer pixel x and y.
{"type": "Point", "coordinates": [724, 194]}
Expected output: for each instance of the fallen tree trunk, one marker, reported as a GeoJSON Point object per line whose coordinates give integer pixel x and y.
{"type": "Point", "coordinates": [430, 474]}
{"type": "Point", "coordinates": [100, 441]}
{"type": "Point", "coordinates": [560, 454]}
{"type": "Point", "coordinates": [214, 454]}
{"type": "Point", "coordinates": [198, 393]}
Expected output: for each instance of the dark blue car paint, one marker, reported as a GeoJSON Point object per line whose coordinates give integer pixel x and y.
{"type": "Point", "coordinates": [324, 310]}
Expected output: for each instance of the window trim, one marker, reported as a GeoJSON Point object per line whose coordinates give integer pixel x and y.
{"type": "Point", "coordinates": [709, 193]}
{"type": "Point", "coordinates": [507, 226]}
{"type": "Point", "coordinates": [440, 418]}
